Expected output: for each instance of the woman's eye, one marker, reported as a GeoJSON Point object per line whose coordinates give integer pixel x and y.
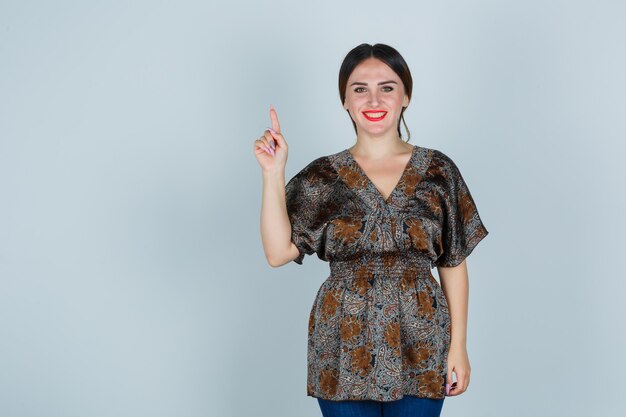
{"type": "Point", "coordinates": [360, 89]}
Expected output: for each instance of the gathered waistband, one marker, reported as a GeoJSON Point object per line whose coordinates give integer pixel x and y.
{"type": "Point", "coordinates": [389, 265]}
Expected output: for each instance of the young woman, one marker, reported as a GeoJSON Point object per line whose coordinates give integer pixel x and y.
{"type": "Point", "coordinates": [384, 336]}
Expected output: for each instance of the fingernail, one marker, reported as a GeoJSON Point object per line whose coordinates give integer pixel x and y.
{"type": "Point", "coordinates": [271, 130]}
{"type": "Point", "coordinates": [447, 389]}
{"type": "Point", "coordinates": [268, 150]}
{"type": "Point", "coordinates": [273, 144]}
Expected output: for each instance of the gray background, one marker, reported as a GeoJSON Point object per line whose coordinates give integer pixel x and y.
{"type": "Point", "coordinates": [132, 276]}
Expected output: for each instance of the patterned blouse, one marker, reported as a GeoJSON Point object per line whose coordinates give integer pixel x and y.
{"type": "Point", "coordinates": [379, 327]}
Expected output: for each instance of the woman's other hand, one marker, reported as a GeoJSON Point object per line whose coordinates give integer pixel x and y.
{"type": "Point", "coordinates": [458, 362]}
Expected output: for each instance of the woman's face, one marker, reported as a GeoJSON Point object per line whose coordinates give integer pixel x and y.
{"type": "Point", "coordinates": [375, 97]}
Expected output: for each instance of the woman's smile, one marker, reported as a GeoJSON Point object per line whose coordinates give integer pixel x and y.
{"type": "Point", "coordinates": [374, 116]}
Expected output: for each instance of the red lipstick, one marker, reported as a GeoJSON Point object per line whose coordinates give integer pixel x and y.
{"type": "Point", "coordinates": [380, 115]}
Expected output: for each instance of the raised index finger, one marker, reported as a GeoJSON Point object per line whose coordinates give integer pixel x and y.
{"type": "Point", "coordinates": [274, 117]}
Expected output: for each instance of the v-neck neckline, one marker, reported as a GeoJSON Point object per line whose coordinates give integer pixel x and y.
{"type": "Point", "coordinates": [371, 183]}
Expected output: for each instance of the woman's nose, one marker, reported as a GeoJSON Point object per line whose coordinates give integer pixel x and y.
{"type": "Point", "coordinates": [373, 98]}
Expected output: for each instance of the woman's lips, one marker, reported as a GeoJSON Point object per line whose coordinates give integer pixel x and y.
{"type": "Point", "coordinates": [374, 116]}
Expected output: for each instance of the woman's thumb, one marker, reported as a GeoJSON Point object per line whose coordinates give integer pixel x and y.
{"type": "Point", "coordinates": [277, 137]}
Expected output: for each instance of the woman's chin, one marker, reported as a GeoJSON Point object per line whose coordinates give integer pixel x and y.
{"type": "Point", "coordinates": [375, 130]}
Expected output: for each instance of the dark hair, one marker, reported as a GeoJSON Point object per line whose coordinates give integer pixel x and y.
{"type": "Point", "coordinates": [384, 53]}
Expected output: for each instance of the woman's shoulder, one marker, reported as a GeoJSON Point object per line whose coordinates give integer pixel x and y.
{"type": "Point", "coordinates": [320, 171]}
{"type": "Point", "coordinates": [440, 162]}
{"type": "Point", "coordinates": [437, 156]}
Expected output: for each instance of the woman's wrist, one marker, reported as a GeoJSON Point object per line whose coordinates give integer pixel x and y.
{"type": "Point", "coordinates": [458, 344]}
{"type": "Point", "coordinates": [278, 173]}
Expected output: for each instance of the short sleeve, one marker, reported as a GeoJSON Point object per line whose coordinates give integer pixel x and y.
{"type": "Point", "coordinates": [462, 227]}
{"type": "Point", "coordinates": [307, 195]}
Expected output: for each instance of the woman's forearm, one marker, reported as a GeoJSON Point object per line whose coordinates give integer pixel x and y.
{"type": "Point", "coordinates": [275, 225]}
{"type": "Point", "coordinates": [455, 285]}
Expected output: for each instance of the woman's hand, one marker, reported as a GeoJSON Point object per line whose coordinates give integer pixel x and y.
{"type": "Point", "coordinates": [459, 363]}
{"type": "Point", "coordinates": [271, 148]}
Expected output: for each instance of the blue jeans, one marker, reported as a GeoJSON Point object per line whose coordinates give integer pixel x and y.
{"type": "Point", "coordinates": [407, 406]}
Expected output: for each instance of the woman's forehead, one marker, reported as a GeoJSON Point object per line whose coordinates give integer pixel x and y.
{"type": "Point", "coordinates": [374, 70]}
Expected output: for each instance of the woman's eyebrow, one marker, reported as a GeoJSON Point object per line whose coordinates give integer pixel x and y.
{"type": "Point", "coordinates": [383, 82]}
